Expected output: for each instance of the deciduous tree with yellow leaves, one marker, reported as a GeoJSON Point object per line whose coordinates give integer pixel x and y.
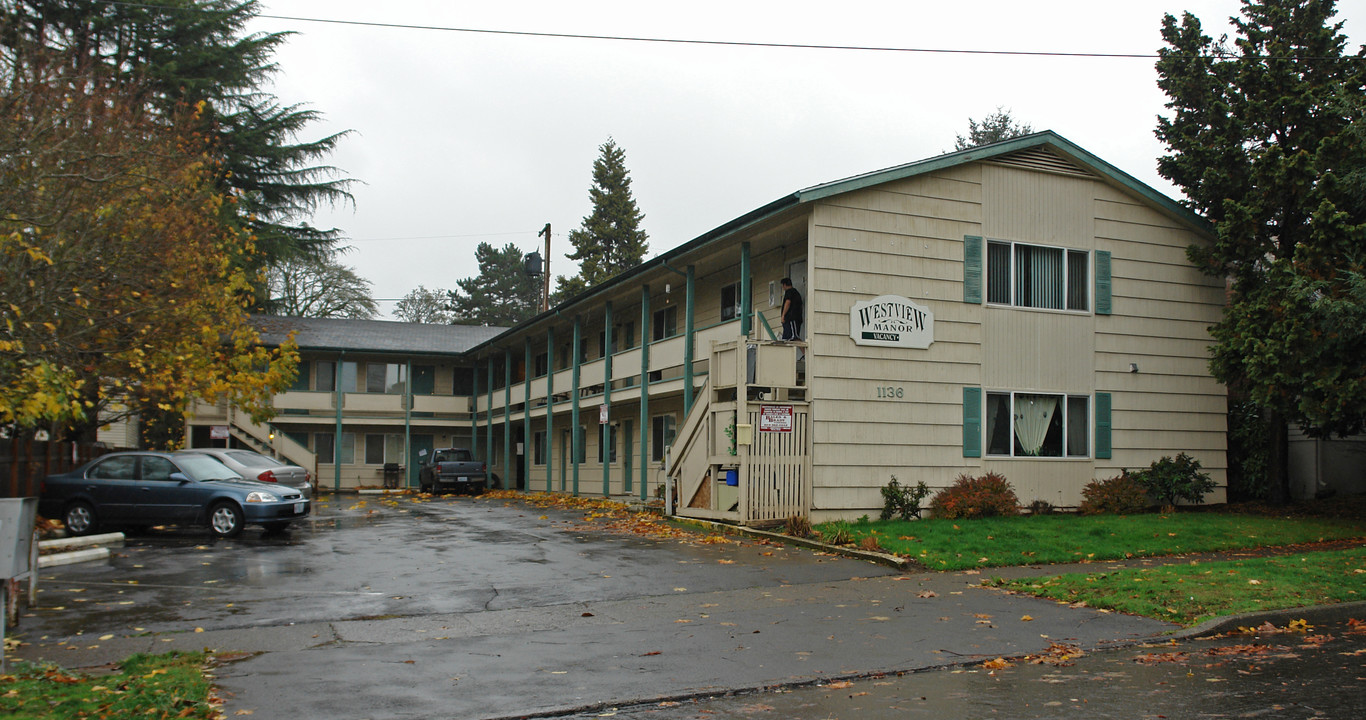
{"type": "Point", "coordinates": [120, 277]}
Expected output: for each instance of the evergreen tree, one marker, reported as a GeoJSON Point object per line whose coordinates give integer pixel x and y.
{"type": "Point", "coordinates": [185, 52]}
{"type": "Point", "coordinates": [501, 295]}
{"type": "Point", "coordinates": [995, 127]}
{"type": "Point", "coordinates": [1266, 140]}
{"type": "Point", "coordinates": [609, 240]}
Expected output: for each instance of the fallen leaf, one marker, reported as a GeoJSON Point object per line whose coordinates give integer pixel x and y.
{"type": "Point", "coordinates": [840, 685]}
{"type": "Point", "coordinates": [997, 664]}
{"type": "Point", "coordinates": [1026, 618]}
{"type": "Point", "coordinates": [927, 594]}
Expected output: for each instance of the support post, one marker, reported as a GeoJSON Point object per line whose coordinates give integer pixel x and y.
{"type": "Point", "coordinates": [605, 429]}
{"type": "Point", "coordinates": [528, 438]}
{"type": "Point", "coordinates": [644, 389]}
{"type": "Point", "coordinates": [688, 342]}
{"type": "Point", "coordinates": [746, 292]}
{"type": "Point", "coordinates": [549, 406]}
{"type": "Point", "coordinates": [575, 437]}
{"type": "Point", "coordinates": [507, 418]}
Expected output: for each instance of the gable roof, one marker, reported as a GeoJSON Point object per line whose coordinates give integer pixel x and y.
{"type": "Point", "coordinates": [379, 336]}
{"type": "Point", "coordinates": [1045, 150]}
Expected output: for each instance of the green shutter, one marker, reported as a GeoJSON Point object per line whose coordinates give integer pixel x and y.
{"type": "Point", "coordinates": [1102, 282]}
{"type": "Point", "coordinates": [1104, 449]}
{"type": "Point", "coordinates": [972, 269]}
{"type": "Point", "coordinates": [972, 422]}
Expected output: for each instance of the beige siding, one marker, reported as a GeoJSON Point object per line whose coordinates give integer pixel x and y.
{"type": "Point", "coordinates": [906, 238]}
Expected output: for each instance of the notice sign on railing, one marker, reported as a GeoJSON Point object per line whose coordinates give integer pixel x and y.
{"type": "Point", "coordinates": [775, 418]}
{"type": "Point", "coordinates": [891, 321]}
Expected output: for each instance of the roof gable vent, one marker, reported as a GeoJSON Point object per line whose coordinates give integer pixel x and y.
{"type": "Point", "coordinates": [1041, 159]}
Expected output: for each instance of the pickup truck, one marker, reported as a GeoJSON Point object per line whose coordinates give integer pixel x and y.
{"type": "Point", "coordinates": [453, 468]}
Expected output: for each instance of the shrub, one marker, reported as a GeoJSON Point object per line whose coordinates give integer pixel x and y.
{"type": "Point", "coordinates": [1169, 480]}
{"type": "Point", "coordinates": [903, 501]}
{"type": "Point", "coordinates": [1041, 507]}
{"type": "Point", "coordinates": [976, 497]}
{"type": "Point", "coordinates": [798, 526]}
{"type": "Point", "coordinates": [1119, 495]}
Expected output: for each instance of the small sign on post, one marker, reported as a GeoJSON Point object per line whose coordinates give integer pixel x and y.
{"type": "Point", "coordinates": [775, 418]}
{"type": "Point", "coordinates": [602, 414]}
{"type": "Point", "coordinates": [218, 432]}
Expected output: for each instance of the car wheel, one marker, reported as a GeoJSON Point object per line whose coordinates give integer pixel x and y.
{"type": "Point", "coordinates": [275, 528]}
{"type": "Point", "coordinates": [79, 518]}
{"type": "Point", "coordinates": [225, 520]}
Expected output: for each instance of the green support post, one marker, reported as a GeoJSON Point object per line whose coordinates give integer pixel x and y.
{"type": "Point", "coordinates": [605, 429]}
{"type": "Point", "coordinates": [488, 421]}
{"type": "Point", "coordinates": [688, 341]}
{"type": "Point", "coordinates": [474, 412]}
{"type": "Point", "coordinates": [528, 439]}
{"type": "Point", "coordinates": [575, 437]}
{"type": "Point", "coordinates": [507, 418]}
{"type": "Point", "coordinates": [746, 291]}
{"type": "Point", "coordinates": [644, 389]}
{"type": "Point", "coordinates": [549, 407]}
{"type": "Point", "coordinates": [337, 438]}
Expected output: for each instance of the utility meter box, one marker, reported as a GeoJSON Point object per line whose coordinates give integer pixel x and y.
{"type": "Point", "coordinates": [17, 516]}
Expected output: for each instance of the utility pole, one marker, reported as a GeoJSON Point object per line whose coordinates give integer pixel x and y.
{"type": "Point", "coordinates": [545, 291]}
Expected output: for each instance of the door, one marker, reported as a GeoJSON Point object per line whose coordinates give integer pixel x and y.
{"type": "Point", "coordinates": [424, 379]}
{"type": "Point", "coordinates": [163, 500]}
{"type": "Point", "coordinates": [419, 452]}
{"type": "Point", "coordinates": [520, 444]}
{"type": "Point", "coordinates": [565, 443]}
{"type": "Point", "coordinates": [114, 487]}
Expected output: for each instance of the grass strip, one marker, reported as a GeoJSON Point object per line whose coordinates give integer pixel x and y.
{"type": "Point", "coordinates": [1043, 539]}
{"type": "Point", "coordinates": [147, 686]}
{"type": "Point", "coordinates": [1191, 593]}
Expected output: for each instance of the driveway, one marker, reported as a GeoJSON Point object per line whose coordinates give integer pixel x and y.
{"type": "Point", "coordinates": [475, 608]}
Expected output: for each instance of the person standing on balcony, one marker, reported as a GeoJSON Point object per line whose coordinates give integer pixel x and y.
{"type": "Point", "coordinates": [792, 311]}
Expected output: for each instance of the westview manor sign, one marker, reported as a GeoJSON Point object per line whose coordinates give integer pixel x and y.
{"type": "Point", "coordinates": [891, 321]}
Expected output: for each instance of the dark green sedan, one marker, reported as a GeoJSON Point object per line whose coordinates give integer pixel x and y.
{"type": "Point", "coordinates": [141, 489]}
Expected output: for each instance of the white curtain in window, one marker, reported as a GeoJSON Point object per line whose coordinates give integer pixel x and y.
{"type": "Point", "coordinates": [1033, 413]}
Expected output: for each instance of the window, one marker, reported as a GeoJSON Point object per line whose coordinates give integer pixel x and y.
{"type": "Point", "coordinates": [730, 302]}
{"type": "Point", "coordinates": [157, 468]}
{"type": "Point", "coordinates": [380, 449]}
{"type": "Point", "coordinates": [384, 378]}
{"type": "Point", "coordinates": [301, 379]}
{"type": "Point", "coordinates": [611, 443]}
{"type": "Point", "coordinates": [325, 376]}
{"type": "Point", "coordinates": [1038, 425]}
{"type": "Point", "coordinates": [538, 451]}
{"type": "Point", "coordinates": [542, 364]}
{"type": "Point", "coordinates": [350, 372]}
{"type": "Point", "coordinates": [1037, 277]}
{"type": "Point", "coordinates": [625, 337]}
{"type": "Point", "coordinates": [123, 467]}
{"type": "Point", "coordinates": [581, 446]}
{"type": "Point", "coordinates": [602, 343]}
{"type": "Point", "coordinates": [665, 324]}
{"type": "Point", "coordinates": [662, 436]}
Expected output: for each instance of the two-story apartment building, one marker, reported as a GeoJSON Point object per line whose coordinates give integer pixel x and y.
{"type": "Point", "coordinates": [1022, 307]}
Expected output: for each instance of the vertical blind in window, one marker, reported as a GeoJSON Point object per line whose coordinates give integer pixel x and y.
{"type": "Point", "coordinates": [1037, 277]}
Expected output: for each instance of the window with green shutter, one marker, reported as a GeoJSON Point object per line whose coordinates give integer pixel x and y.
{"type": "Point", "coordinates": [1103, 443]}
{"type": "Point", "coordinates": [972, 269]}
{"type": "Point", "coordinates": [1102, 282]}
{"type": "Point", "coordinates": [972, 422]}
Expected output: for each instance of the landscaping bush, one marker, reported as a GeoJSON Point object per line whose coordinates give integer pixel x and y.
{"type": "Point", "coordinates": [903, 501]}
{"type": "Point", "coordinates": [1041, 507]}
{"type": "Point", "coordinates": [1169, 480]}
{"type": "Point", "coordinates": [798, 526]}
{"type": "Point", "coordinates": [976, 497]}
{"type": "Point", "coordinates": [838, 533]}
{"type": "Point", "coordinates": [1119, 495]}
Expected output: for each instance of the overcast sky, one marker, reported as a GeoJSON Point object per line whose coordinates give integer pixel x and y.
{"type": "Point", "coordinates": [460, 138]}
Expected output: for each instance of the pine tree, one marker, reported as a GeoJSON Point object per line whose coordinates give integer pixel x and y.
{"type": "Point", "coordinates": [995, 127]}
{"type": "Point", "coordinates": [1266, 139]}
{"type": "Point", "coordinates": [501, 295]}
{"type": "Point", "coordinates": [609, 240]}
{"type": "Point", "coordinates": [179, 53]}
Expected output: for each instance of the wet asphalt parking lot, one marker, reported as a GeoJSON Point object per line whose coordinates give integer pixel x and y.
{"type": "Point", "coordinates": [478, 608]}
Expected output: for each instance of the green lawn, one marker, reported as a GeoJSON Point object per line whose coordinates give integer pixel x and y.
{"type": "Point", "coordinates": [1192, 592]}
{"type": "Point", "coordinates": [147, 686]}
{"type": "Point", "coordinates": [1058, 538]}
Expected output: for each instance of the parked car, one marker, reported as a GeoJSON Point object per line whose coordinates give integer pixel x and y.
{"type": "Point", "coordinates": [139, 489]}
{"type": "Point", "coordinates": [255, 466]}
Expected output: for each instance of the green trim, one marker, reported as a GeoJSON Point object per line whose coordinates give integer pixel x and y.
{"type": "Point", "coordinates": [575, 433]}
{"type": "Point", "coordinates": [605, 431]}
{"type": "Point", "coordinates": [549, 407]}
{"type": "Point", "coordinates": [746, 290]}
{"type": "Point", "coordinates": [972, 269]}
{"type": "Point", "coordinates": [690, 340]}
{"type": "Point", "coordinates": [972, 422]}
{"type": "Point", "coordinates": [1104, 441]}
{"type": "Point", "coordinates": [1103, 282]}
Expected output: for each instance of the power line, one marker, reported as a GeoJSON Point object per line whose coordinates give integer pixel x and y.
{"type": "Point", "coordinates": [441, 237]}
{"type": "Point", "coordinates": [670, 41]}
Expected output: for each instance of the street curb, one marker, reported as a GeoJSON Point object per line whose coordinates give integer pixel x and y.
{"type": "Point", "coordinates": [76, 543]}
{"type": "Point", "coordinates": [892, 561]}
{"type": "Point", "coordinates": [73, 557]}
{"type": "Point", "coordinates": [1216, 626]}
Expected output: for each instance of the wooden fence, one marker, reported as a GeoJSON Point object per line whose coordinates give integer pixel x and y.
{"type": "Point", "coordinates": [25, 462]}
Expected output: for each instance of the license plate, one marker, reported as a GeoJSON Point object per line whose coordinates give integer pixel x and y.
{"type": "Point", "coordinates": [464, 478]}
{"type": "Point", "coordinates": [299, 507]}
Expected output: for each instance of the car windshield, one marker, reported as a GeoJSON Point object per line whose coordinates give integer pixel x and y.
{"type": "Point", "coordinates": [253, 460]}
{"type": "Point", "coordinates": [204, 467]}
{"type": "Point", "coordinates": [454, 456]}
